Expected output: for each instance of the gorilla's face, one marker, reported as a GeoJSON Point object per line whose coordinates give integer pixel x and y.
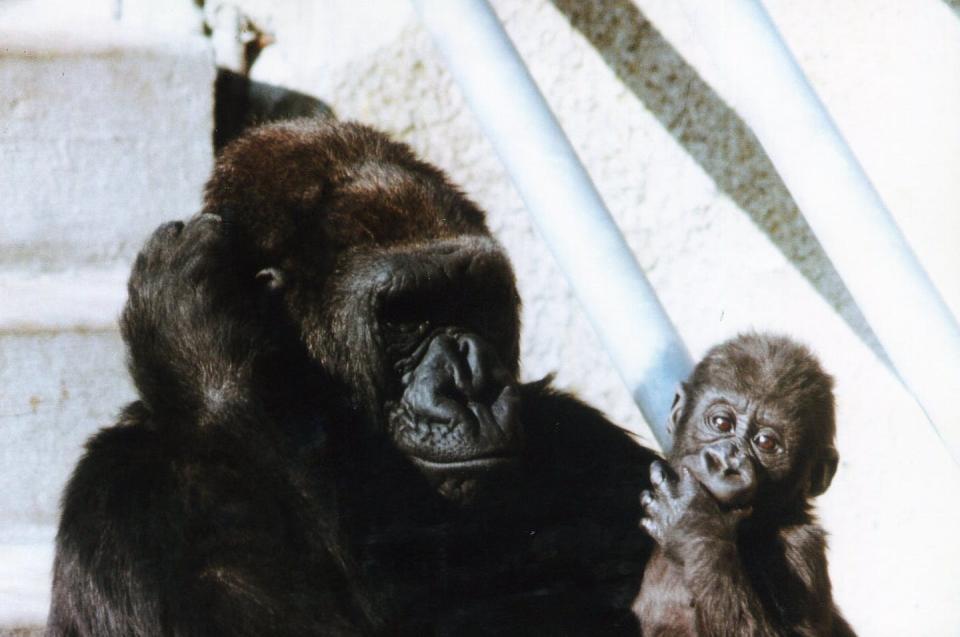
{"type": "Point", "coordinates": [426, 335]}
{"type": "Point", "coordinates": [397, 290]}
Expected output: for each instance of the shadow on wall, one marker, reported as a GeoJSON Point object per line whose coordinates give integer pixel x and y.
{"type": "Point", "coordinates": [715, 136]}
{"type": "Point", "coordinates": [953, 4]}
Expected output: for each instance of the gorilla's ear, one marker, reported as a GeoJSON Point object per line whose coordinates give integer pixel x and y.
{"type": "Point", "coordinates": [823, 470]}
{"type": "Point", "coordinates": [271, 279]}
{"type": "Point", "coordinates": [676, 409]}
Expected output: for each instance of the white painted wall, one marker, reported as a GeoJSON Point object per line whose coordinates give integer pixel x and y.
{"type": "Point", "coordinates": [708, 219]}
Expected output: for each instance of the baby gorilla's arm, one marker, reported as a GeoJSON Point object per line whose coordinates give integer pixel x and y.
{"type": "Point", "coordinates": [701, 540]}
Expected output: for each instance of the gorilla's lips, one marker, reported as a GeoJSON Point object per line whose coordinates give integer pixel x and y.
{"type": "Point", "coordinates": [459, 405]}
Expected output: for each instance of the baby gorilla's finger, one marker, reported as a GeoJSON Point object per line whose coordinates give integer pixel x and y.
{"type": "Point", "coordinates": [663, 480]}
{"type": "Point", "coordinates": [661, 476]}
{"type": "Point", "coordinates": [687, 484]}
{"type": "Point", "coordinates": [648, 501]}
{"type": "Point", "coordinates": [652, 529]}
{"type": "Point", "coordinates": [657, 472]}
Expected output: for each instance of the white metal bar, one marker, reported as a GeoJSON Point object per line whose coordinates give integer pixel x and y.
{"type": "Point", "coordinates": [839, 202]}
{"type": "Point", "coordinates": [565, 205]}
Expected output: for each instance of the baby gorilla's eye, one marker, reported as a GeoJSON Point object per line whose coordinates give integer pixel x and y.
{"type": "Point", "coordinates": [723, 423]}
{"type": "Point", "coordinates": [766, 442]}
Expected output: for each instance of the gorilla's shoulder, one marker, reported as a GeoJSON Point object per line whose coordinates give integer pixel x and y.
{"type": "Point", "coordinates": [114, 491]}
{"type": "Point", "coordinates": [120, 458]}
{"type": "Point", "coordinates": [579, 436]}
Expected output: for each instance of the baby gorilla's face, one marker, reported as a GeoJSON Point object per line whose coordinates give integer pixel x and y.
{"type": "Point", "coordinates": [740, 447]}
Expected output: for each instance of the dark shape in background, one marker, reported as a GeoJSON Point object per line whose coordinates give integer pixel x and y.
{"type": "Point", "coordinates": [240, 102]}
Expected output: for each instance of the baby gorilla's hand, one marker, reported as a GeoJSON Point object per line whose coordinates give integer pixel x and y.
{"type": "Point", "coordinates": [189, 323]}
{"type": "Point", "coordinates": [679, 512]}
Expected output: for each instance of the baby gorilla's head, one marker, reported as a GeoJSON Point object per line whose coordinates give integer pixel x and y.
{"type": "Point", "coordinates": [754, 423]}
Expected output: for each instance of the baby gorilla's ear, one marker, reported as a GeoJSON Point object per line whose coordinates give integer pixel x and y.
{"type": "Point", "coordinates": [676, 409]}
{"type": "Point", "coordinates": [271, 279]}
{"type": "Point", "coordinates": [821, 475]}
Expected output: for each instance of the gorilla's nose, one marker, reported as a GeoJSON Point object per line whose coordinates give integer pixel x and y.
{"type": "Point", "coordinates": [458, 370]}
{"type": "Point", "coordinates": [479, 370]}
{"type": "Point", "coordinates": [462, 366]}
{"type": "Point", "coordinates": [460, 402]}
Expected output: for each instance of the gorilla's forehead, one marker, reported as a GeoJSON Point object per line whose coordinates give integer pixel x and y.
{"type": "Point", "coordinates": [379, 176]}
{"type": "Point", "coordinates": [309, 190]}
{"type": "Point", "coordinates": [385, 204]}
{"type": "Point", "coordinates": [460, 260]}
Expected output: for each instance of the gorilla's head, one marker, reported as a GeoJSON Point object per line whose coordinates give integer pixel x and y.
{"type": "Point", "coordinates": [394, 283]}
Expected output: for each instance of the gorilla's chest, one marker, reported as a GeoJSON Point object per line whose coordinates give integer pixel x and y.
{"type": "Point", "coordinates": [502, 578]}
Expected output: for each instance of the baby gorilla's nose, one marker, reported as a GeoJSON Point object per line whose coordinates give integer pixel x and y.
{"type": "Point", "coordinates": [725, 458]}
{"type": "Point", "coordinates": [727, 473]}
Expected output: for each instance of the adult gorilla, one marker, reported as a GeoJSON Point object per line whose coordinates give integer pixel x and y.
{"type": "Point", "coordinates": [330, 438]}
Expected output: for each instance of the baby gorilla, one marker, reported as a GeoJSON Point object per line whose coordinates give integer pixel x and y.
{"type": "Point", "coordinates": [739, 551]}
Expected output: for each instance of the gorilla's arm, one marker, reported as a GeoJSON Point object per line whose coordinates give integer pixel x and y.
{"type": "Point", "coordinates": [156, 540]}
{"type": "Point", "coordinates": [190, 323]}
{"type": "Point", "coordinates": [192, 516]}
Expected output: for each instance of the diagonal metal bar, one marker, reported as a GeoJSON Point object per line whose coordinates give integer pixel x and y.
{"type": "Point", "coordinates": [841, 205]}
{"type": "Point", "coordinates": [565, 205]}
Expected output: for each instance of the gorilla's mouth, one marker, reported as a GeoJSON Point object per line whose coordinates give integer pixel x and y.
{"type": "Point", "coordinates": [458, 405]}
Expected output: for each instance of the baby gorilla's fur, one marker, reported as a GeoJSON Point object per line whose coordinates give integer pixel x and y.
{"type": "Point", "coordinates": [739, 551]}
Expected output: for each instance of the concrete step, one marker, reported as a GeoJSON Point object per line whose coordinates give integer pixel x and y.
{"type": "Point", "coordinates": [104, 135]}
{"type": "Point", "coordinates": [56, 388]}
{"type": "Point", "coordinates": [106, 132]}
{"type": "Point", "coordinates": [26, 555]}
{"type": "Point", "coordinates": [71, 300]}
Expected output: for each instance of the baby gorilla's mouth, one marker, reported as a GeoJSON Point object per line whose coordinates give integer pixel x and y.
{"type": "Point", "coordinates": [458, 407]}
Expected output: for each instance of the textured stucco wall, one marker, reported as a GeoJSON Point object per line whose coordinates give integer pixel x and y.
{"type": "Point", "coordinates": [701, 206]}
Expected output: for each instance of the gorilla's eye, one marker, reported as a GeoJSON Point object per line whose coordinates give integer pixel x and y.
{"type": "Point", "coordinates": [404, 337]}
{"type": "Point", "coordinates": [723, 424]}
{"type": "Point", "coordinates": [766, 442]}
{"type": "Point", "coordinates": [408, 328]}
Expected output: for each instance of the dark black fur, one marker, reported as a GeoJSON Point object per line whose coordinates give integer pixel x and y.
{"type": "Point", "coordinates": [739, 551]}
{"type": "Point", "coordinates": [330, 438]}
